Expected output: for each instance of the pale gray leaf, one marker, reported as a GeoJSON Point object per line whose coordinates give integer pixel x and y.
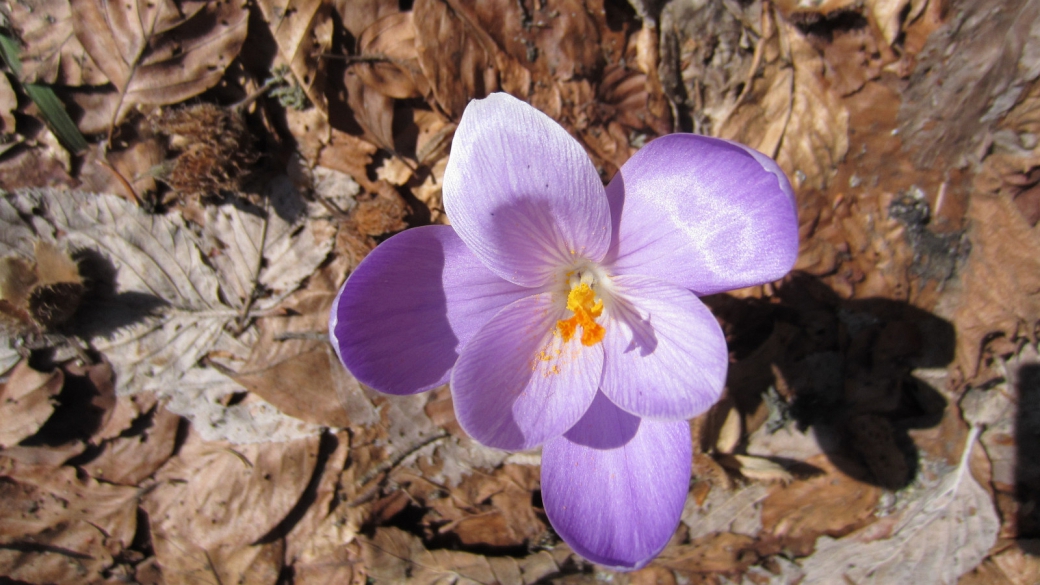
{"type": "Point", "coordinates": [943, 533]}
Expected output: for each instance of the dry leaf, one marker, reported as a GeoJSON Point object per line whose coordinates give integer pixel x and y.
{"type": "Point", "coordinates": [160, 52]}
{"type": "Point", "coordinates": [8, 105]}
{"type": "Point", "coordinates": [262, 256]}
{"type": "Point", "coordinates": [724, 552]}
{"type": "Point", "coordinates": [761, 469]}
{"type": "Point", "coordinates": [214, 493]}
{"type": "Point", "coordinates": [26, 402]}
{"type": "Point", "coordinates": [302, 30]}
{"type": "Point", "coordinates": [59, 527]}
{"type": "Point", "coordinates": [943, 533]}
{"type": "Point", "coordinates": [394, 70]}
{"type": "Point", "coordinates": [53, 54]}
{"type": "Point", "coordinates": [163, 312]}
{"type": "Point", "coordinates": [133, 456]}
{"type": "Point", "coordinates": [705, 57]}
{"type": "Point", "coordinates": [394, 556]}
{"type": "Point", "coordinates": [830, 503]}
{"type": "Point", "coordinates": [730, 433]}
{"type": "Point", "coordinates": [460, 59]}
{"type": "Point", "coordinates": [970, 73]}
{"type": "Point", "coordinates": [792, 115]}
{"type": "Point", "coordinates": [998, 288]}
{"type": "Point", "coordinates": [723, 510]}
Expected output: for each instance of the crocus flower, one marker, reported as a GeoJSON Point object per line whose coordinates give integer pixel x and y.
{"type": "Point", "coordinates": [566, 315]}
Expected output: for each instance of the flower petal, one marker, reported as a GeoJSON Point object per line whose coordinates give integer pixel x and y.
{"type": "Point", "coordinates": [665, 354]}
{"type": "Point", "coordinates": [401, 317]}
{"type": "Point", "coordinates": [707, 214]}
{"type": "Point", "coordinates": [517, 384]}
{"type": "Point", "coordinates": [614, 486]}
{"type": "Point", "coordinates": [522, 193]}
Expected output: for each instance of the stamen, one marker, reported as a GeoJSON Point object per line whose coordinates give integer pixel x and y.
{"type": "Point", "coordinates": [582, 301]}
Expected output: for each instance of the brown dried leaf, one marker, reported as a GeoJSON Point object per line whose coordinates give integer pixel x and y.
{"type": "Point", "coordinates": [830, 503]}
{"type": "Point", "coordinates": [460, 59]}
{"type": "Point", "coordinates": [131, 457]}
{"type": "Point", "coordinates": [792, 115]}
{"type": "Point", "coordinates": [395, 556]}
{"type": "Point", "coordinates": [999, 288]}
{"type": "Point", "coordinates": [303, 31]}
{"type": "Point", "coordinates": [214, 493]}
{"type": "Point", "coordinates": [724, 552]}
{"type": "Point", "coordinates": [971, 72]}
{"type": "Point", "coordinates": [394, 71]}
{"type": "Point", "coordinates": [303, 377]}
{"type": "Point", "coordinates": [52, 53]}
{"type": "Point", "coordinates": [160, 52]}
{"type": "Point", "coordinates": [357, 15]}
{"type": "Point", "coordinates": [186, 563]}
{"type": "Point", "coordinates": [26, 402]}
{"type": "Point", "coordinates": [59, 527]}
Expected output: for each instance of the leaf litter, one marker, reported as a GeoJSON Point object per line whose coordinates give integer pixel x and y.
{"type": "Point", "coordinates": [187, 420]}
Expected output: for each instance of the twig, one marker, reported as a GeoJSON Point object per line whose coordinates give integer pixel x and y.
{"type": "Point", "coordinates": [307, 335]}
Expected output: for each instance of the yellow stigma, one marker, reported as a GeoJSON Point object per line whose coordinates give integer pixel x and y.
{"type": "Point", "coordinates": [582, 301]}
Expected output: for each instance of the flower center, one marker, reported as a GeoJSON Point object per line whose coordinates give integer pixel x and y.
{"type": "Point", "coordinates": [586, 307]}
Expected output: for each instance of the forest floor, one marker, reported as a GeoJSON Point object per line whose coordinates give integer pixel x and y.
{"type": "Point", "coordinates": [187, 183]}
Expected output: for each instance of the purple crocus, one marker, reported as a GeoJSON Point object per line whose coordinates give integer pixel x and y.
{"type": "Point", "coordinates": [566, 316]}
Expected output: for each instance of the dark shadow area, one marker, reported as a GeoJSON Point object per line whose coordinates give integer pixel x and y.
{"type": "Point", "coordinates": [110, 310]}
{"type": "Point", "coordinates": [842, 367]}
{"type": "Point", "coordinates": [1027, 453]}
{"type": "Point", "coordinates": [82, 408]}
{"type": "Point", "coordinates": [326, 448]}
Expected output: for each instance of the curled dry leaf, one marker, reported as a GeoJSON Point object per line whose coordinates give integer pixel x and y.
{"type": "Point", "coordinates": [160, 52]}
{"type": "Point", "coordinates": [791, 114]}
{"type": "Point", "coordinates": [943, 533]}
{"type": "Point", "coordinates": [26, 402]}
{"type": "Point", "coordinates": [8, 105]}
{"type": "Point", "coordinates": [302, 30]}
{"type": "Point", "coordinates": [460, 59]}
{"type": "Point", "coordinates": [53, 54]}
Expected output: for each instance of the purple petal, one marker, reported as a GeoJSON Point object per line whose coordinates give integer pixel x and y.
{"type": "Point", "coordinates": [522, 193]}
{"type": "Point", "coordinates": [517, 384]}
{"type": "Point", "coordinates": [400, 319]}
{"type": "Point", "coordinates": [614, 486]}
{"type": "Point", "coordinates": [707, 214]}
{"type": "Point", "coordinates": [665, 354]}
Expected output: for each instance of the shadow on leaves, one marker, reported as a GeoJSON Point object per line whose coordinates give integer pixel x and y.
{"type": "Point", "coordinates": [843, 368]}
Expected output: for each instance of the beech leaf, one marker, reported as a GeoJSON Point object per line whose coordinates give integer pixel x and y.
{"type": "Point", "coordinates": [160, 52]}
{"type": "Point", "coordinates": [164, 312]}
{"type": "Point", "coordinates": [302, 31]}
{"type": "Point", "coordinates": [943, 533]}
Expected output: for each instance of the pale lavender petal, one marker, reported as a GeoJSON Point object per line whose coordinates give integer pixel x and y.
{"type": "Point", "coordinates": [522, 193]}
{"type": "Point", "coordinates": [665, 354]}
{"type": "Point", "coordinates": [401, 318]}
{"type": "Point", "coordinates": [614, 486]}
{"type": "Point", "coordinates": [517, 384]}
{"type": "Point", "coordinates": [707, 214]}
